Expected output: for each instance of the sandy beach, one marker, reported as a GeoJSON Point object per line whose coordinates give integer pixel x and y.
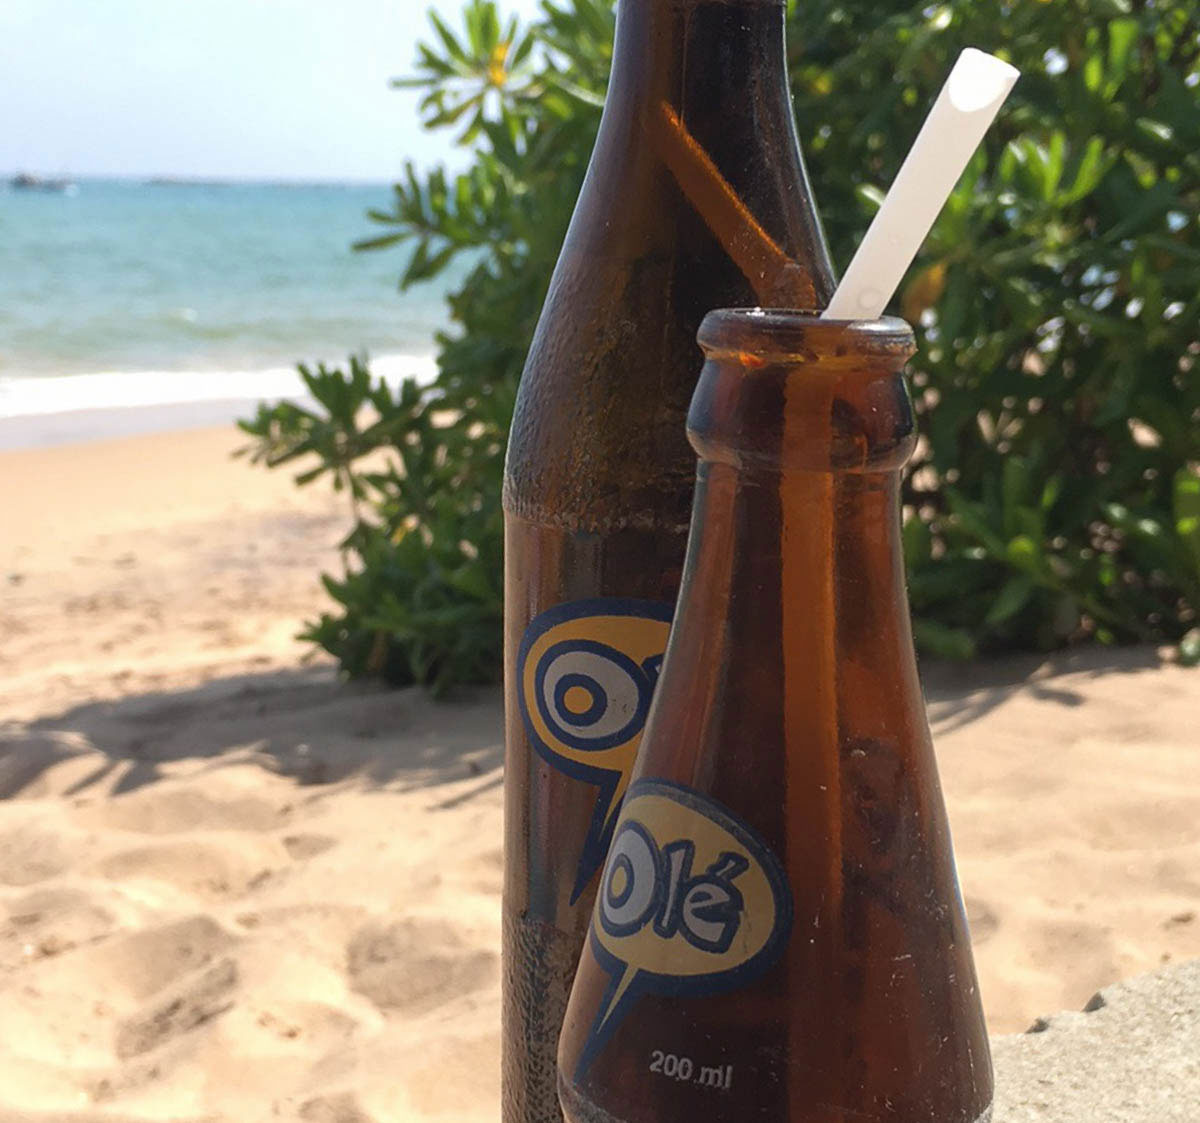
{"type": "Point", "coordinates": [232, 888]}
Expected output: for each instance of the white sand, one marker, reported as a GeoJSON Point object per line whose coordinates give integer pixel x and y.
{"type": "Point", "coordinates": [231, 889]}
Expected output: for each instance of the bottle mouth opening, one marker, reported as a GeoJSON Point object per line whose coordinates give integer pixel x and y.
{"type": "Point", "coordinates": [800, 335]}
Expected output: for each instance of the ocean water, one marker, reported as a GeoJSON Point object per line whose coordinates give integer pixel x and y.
{"type": "Point", "coordinates": [126, 293]}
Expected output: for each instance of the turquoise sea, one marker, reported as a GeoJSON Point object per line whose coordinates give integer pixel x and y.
{"type": "Point", "coordinates": [123, 293]}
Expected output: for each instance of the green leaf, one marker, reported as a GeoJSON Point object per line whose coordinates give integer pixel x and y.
{"type": "Point", "coordinates": [955, 305]}
{"type": "Point", "coordinates": [972, 519]}
{"type": "Point", "coordinates": [382, 242]}
{"type": "Point", "coordinates": [1051, 492]}
{"type": "Point", "coordinates": [1015, 491]}
{"type": "Point", "coordinates": [1054, 160]}
{"type": "Point", "coordinates": [1013, 597]}
{"type": "Point", "coordinates": [450, 44]}
{"type": "Point", "coordinates": [1025, 554]}
{"type": "Point", "coordinates": [917, 539]}
{"type": "Point", "coordinates": [1122, 36]}
{"type": "Point", "coordinates": [1093, 166]}
{"type": "Point", "coordinates": [946, 643]}
{"type": "Point", "coordinates": [1150, 209]}
{"type": "Point", "coordinates": [1186, 504]}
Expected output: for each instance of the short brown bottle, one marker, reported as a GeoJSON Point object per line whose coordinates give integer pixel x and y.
{"type": "Point", "coordinates": [778, 933]}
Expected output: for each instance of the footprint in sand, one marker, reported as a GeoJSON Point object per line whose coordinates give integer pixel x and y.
{"type": "Point", "coordinates": [413, 965]}
{"type": "Point", "coordinates": [207, 868]}
{"type": "Point", "coordinates": [175, 810]}
{"type": "Point", "coordinates": [29, 854]}
{"type": "Point", "coordinates": [71, 1010]}
{"type": "Point", "coordinates": [193, 1001]}
{"type": "Point", "coordinates": [341, 1108]}
{"type": "Point", "coordinates": [48, 922]}
{"type": "Point", "coordinates": [143, 963]}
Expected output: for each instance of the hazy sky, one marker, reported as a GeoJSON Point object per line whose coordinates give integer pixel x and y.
{"type": "Point", "coordinates": [289, 89]}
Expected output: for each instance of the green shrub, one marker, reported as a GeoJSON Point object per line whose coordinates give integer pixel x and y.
{"type": "Point", "coordinates": [1056, 496]}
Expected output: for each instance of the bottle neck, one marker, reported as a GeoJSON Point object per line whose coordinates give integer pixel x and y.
{"type": "Point", "coordinates": [803, 427]}
{"type": "Point", "coordinates": [809, 565]}
{"type": "Point", "coordinates": [676, 50]}
{"type": "Point", "coordinates": [701, 87]}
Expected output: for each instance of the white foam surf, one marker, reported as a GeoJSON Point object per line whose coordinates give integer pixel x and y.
{"type": "Point", "coordinates": [115, 390]}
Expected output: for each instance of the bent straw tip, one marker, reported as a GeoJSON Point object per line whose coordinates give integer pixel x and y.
{"type": "Point", "coordinates": [979, 80]}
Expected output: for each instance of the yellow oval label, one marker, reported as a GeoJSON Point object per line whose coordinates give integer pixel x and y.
{"type": "Point", "coordinates": [588, 670]}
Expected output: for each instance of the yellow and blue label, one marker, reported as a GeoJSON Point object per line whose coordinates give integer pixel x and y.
{"type": "Point", "coordinates": [692, 902]}
{"type": "Point", "coordinates": [587, 671]}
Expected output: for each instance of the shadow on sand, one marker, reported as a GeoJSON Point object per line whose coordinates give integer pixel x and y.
{"type": "Point", "coordinates": [302, 723]}
{"type": "Point", "coordinates": [306, 724]}
{"type": "Point", "coordinates": [960, 694]}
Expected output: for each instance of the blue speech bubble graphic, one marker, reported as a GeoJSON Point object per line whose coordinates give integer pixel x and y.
{"type": "Point", "coordinates": [692, 902]}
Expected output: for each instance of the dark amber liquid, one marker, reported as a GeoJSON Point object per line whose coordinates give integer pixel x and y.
{"type": "Point", "coordinates": [790, 697]}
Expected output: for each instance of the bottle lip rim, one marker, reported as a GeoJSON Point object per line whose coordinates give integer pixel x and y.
{"type": "Point", "coordinates": [801, 334]}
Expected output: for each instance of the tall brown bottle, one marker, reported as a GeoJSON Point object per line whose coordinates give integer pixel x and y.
{"type": "Point", "coordinates": [696, 197]}
{"type": "Point", "coordinates": [778, 934]}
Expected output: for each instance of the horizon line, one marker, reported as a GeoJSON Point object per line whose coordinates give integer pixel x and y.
{"type": "Point", "coordinates": [197, 180]}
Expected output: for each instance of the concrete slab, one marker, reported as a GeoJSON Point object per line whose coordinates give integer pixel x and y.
{"type": "Point", "coordinates": [1132, 1056]}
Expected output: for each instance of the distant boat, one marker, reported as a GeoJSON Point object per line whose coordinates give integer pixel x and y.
{"type": "Point", "coordinates": [26, 182]}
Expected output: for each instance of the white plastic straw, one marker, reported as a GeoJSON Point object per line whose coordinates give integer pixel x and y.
{"type": "Point", "coordinates": [972, 96]}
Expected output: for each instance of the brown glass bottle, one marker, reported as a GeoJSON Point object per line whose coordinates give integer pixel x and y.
{"type": "Point", "coordinates": [779, 933]}
{"type": "Point", "coordinates": [695, 198]}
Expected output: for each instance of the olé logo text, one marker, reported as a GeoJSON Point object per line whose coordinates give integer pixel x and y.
{"type": "Point", "coordinates": [645, 885]}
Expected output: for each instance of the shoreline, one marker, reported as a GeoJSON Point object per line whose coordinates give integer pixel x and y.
{"type": "Point", "coordinates": [52, 410]}
{"type": "Point", "coordinates": [115, 423]}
